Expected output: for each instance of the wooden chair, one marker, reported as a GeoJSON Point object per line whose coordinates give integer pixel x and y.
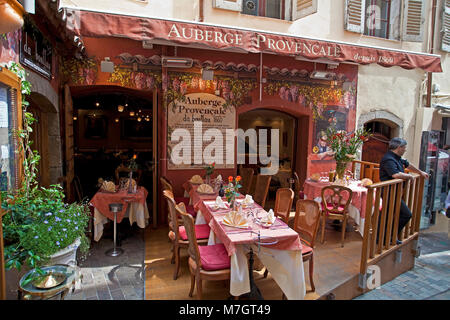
{"type": "Point", "coordinates": [297, 186]}
{"type": "Point", "coordinates": [262, 188]}
{"type": "Point", "coordinates": [167, 185]}
{"type": "Point", "coordinates": [306, 224]}
{"type": "Point", "coordinates": [121, 170]}
{"type": "Point", "coordinates": [335, 203]}
{"type": "Point", "coordinates": [283, 203]}
{"type": "Point", "coordinates": [205, 262]}
{"type": "Point", "coordinates": [177, 233]}
{"type": "Point", "coordinates": [247, 178]}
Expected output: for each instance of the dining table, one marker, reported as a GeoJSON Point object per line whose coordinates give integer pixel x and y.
{"type": "Point", "coordinates": [278, 247]}
{"type": "Point", "coordinates": [357, 208]}
{"type": "Point", "coordinates": [134, 208]}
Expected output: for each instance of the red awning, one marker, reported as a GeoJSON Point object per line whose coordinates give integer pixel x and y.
{"type": "Point", "coordinates": [99, 24]}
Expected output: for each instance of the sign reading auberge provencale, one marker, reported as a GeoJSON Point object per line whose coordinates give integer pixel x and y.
{"type": "Point", "coordinates": [201, 115]}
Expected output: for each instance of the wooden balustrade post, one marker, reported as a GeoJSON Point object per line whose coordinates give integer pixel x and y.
{"type": "Point", "coordinates": [418, 206]}
{"type": "Point", "coordinates": [383, 219]}
{"type": "Point", "coordinates": [367, 231]}
{"type": "Point", "coordinates": [398, 202]}
{"type": "Point", "coordinates": [374, 222]}
{"type": "Point", "coordinates": [390, 217]}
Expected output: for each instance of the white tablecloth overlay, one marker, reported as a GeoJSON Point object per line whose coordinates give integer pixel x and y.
{"type": "Point", "coordinates": [285, 266]}
{"type": "Point", "coordinates": [136, 212]}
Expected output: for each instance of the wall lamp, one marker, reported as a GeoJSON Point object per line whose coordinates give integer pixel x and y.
{"type": "Point", "coordinates": [107, 65]}
{"type": "Point", "coordinates": [176, 62]}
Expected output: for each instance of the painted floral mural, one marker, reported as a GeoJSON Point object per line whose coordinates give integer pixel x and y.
{"type": "Point", "coordinates": [142, 79]}
{"type": "Point", "coordinates": [312, 96]}
{"type": "Point", "coordinates": [82, 72]}
{"type": "Point", "coordinates": [234, 91]}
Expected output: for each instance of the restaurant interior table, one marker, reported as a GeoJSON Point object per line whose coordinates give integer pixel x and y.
{"type": "Point", "coordinates": [134, 207]}
{"type": "Point", "coordinates": [281, 255]}
{"type": "Point", "coordinates": [313, 190]}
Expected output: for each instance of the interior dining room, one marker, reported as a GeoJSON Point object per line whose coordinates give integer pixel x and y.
{"type": "Point", "coordinates": [265, 119]}
{"type": "Point", "coordinates": [113, 139]}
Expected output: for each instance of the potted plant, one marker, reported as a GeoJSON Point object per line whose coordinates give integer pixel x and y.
{"type": "Point", "coordinates": [38, 227]}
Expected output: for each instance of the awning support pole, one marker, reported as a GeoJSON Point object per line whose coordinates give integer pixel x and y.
{"type": "Point", "coordinates": [260, 76]}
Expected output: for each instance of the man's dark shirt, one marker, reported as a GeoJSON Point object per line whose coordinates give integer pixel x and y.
{"type": "Point", "coordinates": [392, 164]}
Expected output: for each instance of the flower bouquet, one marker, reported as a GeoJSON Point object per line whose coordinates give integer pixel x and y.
{"type": "Point", "coordinates": [345, 146]}
{"type": "Point", "coordinates": [232, 190]}
{"type": "Point", "coordinates": [209, 171]}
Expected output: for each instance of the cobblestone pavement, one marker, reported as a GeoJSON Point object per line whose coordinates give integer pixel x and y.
{"type": "Point", "coordinates": [113, 278]}
{"type": "Point", "coordinates": [428, 280]}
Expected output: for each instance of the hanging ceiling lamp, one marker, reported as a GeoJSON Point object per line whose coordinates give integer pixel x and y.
{"type": "Point", "coordinates": [131, 113]}
{"type": "Point", "coordinates": [11, 16]}
{"type": "Point", "coordinates": [120, 108]}
{"type": "Point", "coordinates": [139, 119]}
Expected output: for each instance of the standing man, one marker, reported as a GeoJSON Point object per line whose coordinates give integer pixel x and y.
{"type": "Point", "coordinates": [392, 166]}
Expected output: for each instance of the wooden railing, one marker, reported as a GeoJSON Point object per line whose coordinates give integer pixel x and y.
{"type": "Point", "coordinates": [380, 227]}
{"type": "Point", "coordinates": [366, 170]}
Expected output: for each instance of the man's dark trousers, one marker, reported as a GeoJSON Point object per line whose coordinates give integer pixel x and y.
{"type": "Point", "coordinates": [404, 216]}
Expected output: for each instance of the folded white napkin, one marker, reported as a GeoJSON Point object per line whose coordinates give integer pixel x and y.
{"type": "Point", "coordinates": [220, 204]}
{"type": "Point", "coordinates": [219, 178]}
{"type": "Point", "coordinates": [234, 219]}
{"type": "Point", "coordinates": [248, 199]}
{"type": "Point", "coordinates": [269, 218]}
{"type": "Point", "coordinates": [205, 188]}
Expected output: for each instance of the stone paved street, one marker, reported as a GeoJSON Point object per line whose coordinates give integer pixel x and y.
{"type": "Point", "coordinates": [429, 279]}
{"type": "Point", "coordinates": [113, 278]}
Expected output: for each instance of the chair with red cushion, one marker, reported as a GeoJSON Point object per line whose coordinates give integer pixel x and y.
{"type": "Point", "coordinates": [335, 202]}
{"type": "Point", "coordinates": [205, 262]}
{"type": "Point", "coordinates": [306, 224]}
{"type": "Point", "coordinates": [167, 185]}
{"type": "Point", "coordinates": [177, 233]}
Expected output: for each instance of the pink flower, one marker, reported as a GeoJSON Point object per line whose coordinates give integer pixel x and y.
{"type": "Point", "coordinates": [139, 80]}
{"type": "Point", "coordinates": [282, 92]}
{"type": "Point", "coordinates": [202, 84]}
{"type": "Point", "coordinates": [150, 81]}
{"type": "Point", "coordinates": [176, 84]}
{"type": "Point", "coordinates": [194, 83]}
{"type": "Point", "coordinates": [294, 93]}
{"type": "Point", "coordinates": [183, 87]}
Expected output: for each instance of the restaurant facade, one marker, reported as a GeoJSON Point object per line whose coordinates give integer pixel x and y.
{"type": "Point", "coordinates": [273, 79]}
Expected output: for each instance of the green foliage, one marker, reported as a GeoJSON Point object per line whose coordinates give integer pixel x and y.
{"type": "Point", "coordinates": [38, 223]}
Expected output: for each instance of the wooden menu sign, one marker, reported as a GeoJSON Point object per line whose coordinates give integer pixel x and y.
{"type": "Point", "coordinates": [203, 120]}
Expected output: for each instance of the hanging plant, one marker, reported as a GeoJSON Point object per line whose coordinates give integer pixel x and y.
{"type": "Point", "coordinates": [142, 80]}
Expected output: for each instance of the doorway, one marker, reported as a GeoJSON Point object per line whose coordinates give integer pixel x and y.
{"type": "Point", "coordinates": [374, 149]}
{"type": "Point", "coordinates": [113, 129]}
{"type": "Point", "coordinates": [266, 119]}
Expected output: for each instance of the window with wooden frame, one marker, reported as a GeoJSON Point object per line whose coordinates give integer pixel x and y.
{"type": "Point", "coordinates": [388, 19]}
{"type": "Point", "coordinates": [10, 121]}
{"type": "Point", "coordinates": [445, 30]}
{"type": "Point", "coordinates": [277, 9]}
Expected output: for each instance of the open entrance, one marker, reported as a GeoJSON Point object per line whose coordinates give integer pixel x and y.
{"type": "Point", "coordinates": [113, 136]}
{"type": "Point", "coordinates": [264, 119]}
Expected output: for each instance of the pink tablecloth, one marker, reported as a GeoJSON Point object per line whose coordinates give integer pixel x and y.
{"type": "Point", "coordinates": [313, 190]}
{"type": "Point", "coordinates": [102, 200]}
{"type": "Point", "coordinates": [286, 238]}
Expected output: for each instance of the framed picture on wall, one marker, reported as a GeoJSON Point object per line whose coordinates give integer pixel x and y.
{"type": "Point", "coordinates": [135, 130]}
{"type": "Point", "coordinates": [95, 126]}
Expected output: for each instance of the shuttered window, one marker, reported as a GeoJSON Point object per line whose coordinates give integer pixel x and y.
{"type": "Point", "coordinates": [413, 23]}
{"type": "Point", "coordinates": [233, 5]}
{"type": "Point", "coordinates": [354, 15]}
{"type": "Point", "coordinates": [303, 8]}
{"type": "Point", "coordinates": [446, 27]}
